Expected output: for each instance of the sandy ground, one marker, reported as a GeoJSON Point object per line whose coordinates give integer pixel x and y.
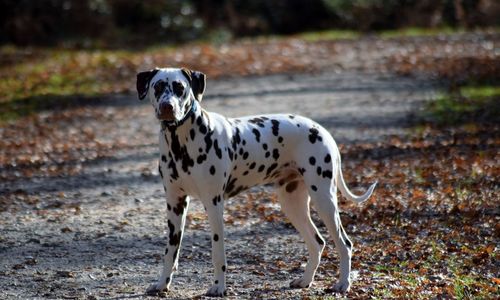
{"type": "Point", "coordinates": [99, 234]}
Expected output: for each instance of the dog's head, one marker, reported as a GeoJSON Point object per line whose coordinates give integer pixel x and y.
{"type": "Point", "coordinates": [171, 91]}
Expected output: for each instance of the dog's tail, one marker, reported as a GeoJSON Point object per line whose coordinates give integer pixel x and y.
{"type": "Point", "coordinates": [347, 193]}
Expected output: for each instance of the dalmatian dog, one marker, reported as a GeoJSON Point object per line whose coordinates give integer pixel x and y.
{"type": "Point", "coordinates": [207, 156]}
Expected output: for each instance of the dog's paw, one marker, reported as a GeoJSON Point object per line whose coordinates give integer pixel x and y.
{"type": "Point", "coordinates": [300, 283]}
{"type": "Point", "coordinates": [216, 291]}
{"type": "Point", "coordinates": [156, 288]}
{"type": "Point", "coordinates": [341, 287]}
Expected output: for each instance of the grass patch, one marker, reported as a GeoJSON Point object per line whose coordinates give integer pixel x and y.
{"type": "Point", "coordinates": [462, 286]}
{"type": "Point", "coordinates": [466, 104]}
{"type": "Point", "coordinates": [417, 31]}
{"type": "Point", "coordinates": [328, 35]}
{"type": "Point", "coordinates": [12, 110]}
{"type": "Point", "coordinates": [336, 34]}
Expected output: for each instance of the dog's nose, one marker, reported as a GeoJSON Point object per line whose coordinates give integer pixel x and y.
{"type": "Point", "coordinates": [165, 111]}
{"type": "Point", "coordinates": [166, 107]}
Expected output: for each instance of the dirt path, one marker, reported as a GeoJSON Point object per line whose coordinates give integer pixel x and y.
{"type": "Point", "coordinates": [99, 233]}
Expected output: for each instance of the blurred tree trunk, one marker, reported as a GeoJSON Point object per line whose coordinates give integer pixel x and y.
{"type": "Point", "coordinates": [460, 13]}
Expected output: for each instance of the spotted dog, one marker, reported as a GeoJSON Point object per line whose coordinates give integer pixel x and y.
{"type": "Point", "coordinates": [210, 157]}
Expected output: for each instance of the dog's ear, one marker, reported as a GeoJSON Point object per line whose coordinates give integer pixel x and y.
{"type": "Point", "coordinates": [197, 80]}
{"type": "Point", "coordinates": [143, 79]}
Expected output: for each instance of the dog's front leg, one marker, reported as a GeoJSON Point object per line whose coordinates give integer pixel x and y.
{"type": "Point", "coordinates": [176, 217]}
{"type": "Point", "coordinates": [215, 211]}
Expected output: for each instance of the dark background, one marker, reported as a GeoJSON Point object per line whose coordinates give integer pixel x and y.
{"type": "Point", "coordinates": [135, 23]}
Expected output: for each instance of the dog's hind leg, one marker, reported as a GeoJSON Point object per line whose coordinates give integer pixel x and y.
{"type": "Point", "coordinates": [324, 198]}
{"type": "Point", "coordinates": [294, 200]}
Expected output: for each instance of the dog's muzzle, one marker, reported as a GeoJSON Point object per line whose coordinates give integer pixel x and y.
{"type": "Point", "coordinates": [166, 112]}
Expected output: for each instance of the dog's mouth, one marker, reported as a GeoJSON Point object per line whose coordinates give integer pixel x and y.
{"type": "Point", "coordinates": [166, 117]}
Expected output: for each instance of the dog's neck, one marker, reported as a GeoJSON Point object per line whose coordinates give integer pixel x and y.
{"type": "Point", "coordinates": [196, 121]}
{"type": "Point", "coordinates": [174, 124]}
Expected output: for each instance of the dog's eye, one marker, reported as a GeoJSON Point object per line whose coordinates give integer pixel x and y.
{"type": "Point", "coordinates": [178, 88]}
{"type": "Point", "coordinates": [159, 88]}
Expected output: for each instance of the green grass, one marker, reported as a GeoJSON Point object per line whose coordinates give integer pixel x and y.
{"type": "Point", "coordinates": [417, 31]}
{"type": "Point", "coordinates": [327, 35]}
{"type": "Point", "coordinates": [336, 34]}
{"type": "Point", "coordinates": [480, 91]}
{"type": "Point", "coordinates": [462, 286]}
{"type": "Point", "coordinates": [467, 104]}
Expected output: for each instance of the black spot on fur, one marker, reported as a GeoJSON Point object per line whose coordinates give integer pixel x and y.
{"type": "Point", "coordinates": [245, 155]}
{"type": "Point", "coordinates": [271, 168]}
{"type": "Point", "coordinates": [235, 141]}
{"type": "Point", "coordinates": [257, 134]}
{"type": "Point", "coordinates": [217, 282]}
{"type": "Point", "coordinates": [174, 174]}
{"type": "Point", "coordinates": [216, 237]}
{"type": "Point", "coordinates": [201, 158]}
{"type": "Point", "coordinates": [203, 129]}
{"type": "Point", "coordinates": [314, 188]}
{"type": "Point", "coordinates": [223, 268]}
{"type": "Point", "coordinates": [245, 173]}
{"type": "Point", "coordinates": [348, 242]}
{"type": "Point", "coordinates": [276, 154]}
{"type": "Point", "coordinates": [268, 154]}
{"type": "Point", "coordinates": [280, 139]}
{"type": "Point", "coordinates": [252, 165]}
{"type": "Point", "coordinates": [167, 281]}
{"type": "Point", "coordinates": [302, 171]}
{"type": "Point", "coordinates": [166, 250]}
{"type": "Point", "coordinates": [212, 170]}
{"type": "Point", "coordinates": [192, 134]}
{"type": "Point", "coordinates": [180, 152]}
{"type": "Point", "coordinates": [218, 151]}
{"type": "Point", "coordinates": [292, 186]}
{"type": "Point", "coordinates": [163, 158]}
{"type": "Point", "coordinates": [318, 170]}
{"type": "Point", "coordinates": [327, 174]}
{"type": "Point", "coordinates": [328, 158]}
{"type": "Point", "coordinates": [237, 190]}
{"type": "Point", "coordinates": [217, 199]}
{"type": "Point", "coordinates": [275, 127]}
{"type": "Point", "coordinates": [291, 116]}
{"type": "Point", "coordinates": [264, 146]}
{"type": "Point", "coordinates": [261, 168]}
{"type": "Point", "coordinates": [181, 206]}
{"type": "Point", "coordinates": [314, 135]}
{"type": "Point", "coordinates": [169, 207]}
{"type": "Point", "coordinates": [312, 160]}
{"type": "Point", "coordinates": [230, 185]}
{"type": "Point", "coordinates": [160, 171]}
{"type": "Point", "coordinates": [208, 142]}
{"type": "Point", "coordinates": [319, 239]}
{"type": "Point", "coordinates": [173, 239]}
{"type": "Point", "coordinates": [258, 121]}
